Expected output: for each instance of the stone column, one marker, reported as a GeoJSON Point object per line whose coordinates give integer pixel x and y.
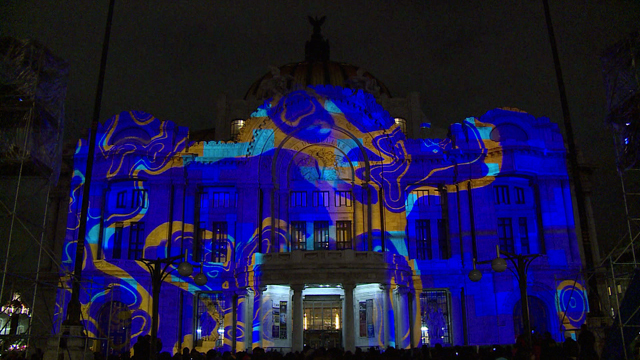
{"type": "Point", "coordinates": [297, 318]}
{"type": "Point", "coordinates": [229, 321]}
{"type": "Point", "coordinates": [403, 340]}
{"type": "Point", "coordinates": [261, 314]}
{"type": "Point", "coordinates": [386, 305]}
{"type": "Point", "coordinates": [347, 315]}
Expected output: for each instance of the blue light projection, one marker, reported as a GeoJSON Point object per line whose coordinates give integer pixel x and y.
{"type": "Point", "coordinates": [324, 168]}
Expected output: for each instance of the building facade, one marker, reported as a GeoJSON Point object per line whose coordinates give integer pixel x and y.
{"type": "Point", "coordinates": [323, 224]}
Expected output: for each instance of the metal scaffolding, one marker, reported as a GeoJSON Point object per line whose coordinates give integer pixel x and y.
{"type": "Point", "coordinates": [33, 85]}
{"type": "Point", "coordinates": [622, 73]}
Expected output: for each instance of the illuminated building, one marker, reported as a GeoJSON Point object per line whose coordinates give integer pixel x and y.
{"type": "Point", "coordinates": [323, 224]}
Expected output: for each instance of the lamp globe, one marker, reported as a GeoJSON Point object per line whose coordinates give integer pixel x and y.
{"type": "Point", "coordinates": [499, 264]}
{"type": "Point", "coordinates": [200, 279]}
{"type": "Point", "coordinates": [185, 269]}
{"type": "Point", "coordinates": [475, 275]}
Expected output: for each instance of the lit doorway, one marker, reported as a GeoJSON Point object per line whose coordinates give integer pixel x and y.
{"type": "Point", "coordinates": [323, 321]}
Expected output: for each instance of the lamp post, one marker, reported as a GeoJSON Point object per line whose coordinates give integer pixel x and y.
{"type": "Point", "coordinates": [521, 264]}
{"type": "Point", "coordinates": [159, 270]}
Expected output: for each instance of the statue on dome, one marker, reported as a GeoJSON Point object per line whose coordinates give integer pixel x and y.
{"type": "Point", "coordinates": [317, 23]}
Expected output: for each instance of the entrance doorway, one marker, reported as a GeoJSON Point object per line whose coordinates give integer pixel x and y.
{"type": "Point", "coordinates": [323, 321]}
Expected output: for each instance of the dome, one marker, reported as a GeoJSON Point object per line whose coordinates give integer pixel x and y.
{"type": "Point", "coordinates": [316, 69]}
{"type": "Point", "coordinates": [302, 74]}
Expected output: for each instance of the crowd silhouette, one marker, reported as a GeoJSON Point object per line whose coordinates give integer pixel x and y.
{"type": "Point", "coordinates": [544, 347]}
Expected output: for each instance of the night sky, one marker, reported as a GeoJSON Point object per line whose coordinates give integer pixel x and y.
{"type": "Point", "coordinates": [171, 58]}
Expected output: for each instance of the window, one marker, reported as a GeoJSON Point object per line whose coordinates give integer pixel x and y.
{"type": "Point", "coordinates": [298, 199]}
{"type": "Point", "coordinates": [204, 200]}
{"type": "Point", "coordinates": [121, 200]}
{"type": "Point", "coordinates": [219, 242]}
{"type": "Point", "coordinates": [435, 319]}
{"type": "Point", "coordinates": [343, 235]}
{"type": "Point", "coordinates": [136, 241]}
{"type": "Point", "coordinates": [343, 198]}
{"type": "Point", "coordinates": [321, 199]}
{"type": "Point", "coordinates": [443, 240]}
{"type": "Point", "coordinates": [298, 235]}
{"type": "Point", "coordinates": [524, 235]}
{"type": "Point", "coordinates": [210, 321]}
{"type": "Point", "coordinates": [117, 241]}
{"type": "Point", "coordinates": [505, 234]}
{"type": "Point", "coordinates": [223, 199]}
{"type": "Point", "coordinates": [280, 318]}
{"type": "Point", "coordinates": [502, 194]}
{"type": "Point", "coordinates": [139, 198]}
{"type": "Point", "coordinates": [418, 198]}
{"type": "Point", "coordinates": [402, 123]}
{"type": "Point", "coordinates": [365, 312]}
{"type": "Point", "coordinates": [519, 195]}
{"type": "Point", "coordinates": [321, 235]}
{"type": "Point", "coordinates": [236, 125]}
{"type": "Point", "coordinates": [423, 240]}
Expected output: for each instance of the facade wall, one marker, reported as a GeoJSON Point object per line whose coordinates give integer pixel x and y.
{"type": "Point", "coordinates": [323, 202]}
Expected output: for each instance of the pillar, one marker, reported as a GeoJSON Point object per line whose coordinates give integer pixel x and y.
{"type": "Point", "coordinates": [261, 311]}
{"type": "Point", "coordinates": [386, 305]}
{"type": "Point", "coordinates": [347, 315]}
{"type": "Point", "coordinates": [297, 318]}
{"type": "Point", "coordinates": [403, 333]}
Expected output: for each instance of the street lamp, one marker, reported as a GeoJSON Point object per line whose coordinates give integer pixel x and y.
{"type": "Point", "coordinates": [159, 270]}
{"type": "Point", "coordinates": [521, 264]}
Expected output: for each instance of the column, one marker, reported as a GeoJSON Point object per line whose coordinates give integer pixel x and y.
{"type": "Point", "coordinates": [347, 315]}
{"type": "Point", "coordinates": [386, 305]}
{"type": "Point", "coordinates": [262, 311]}
{"type": "Point", "coordinates": [403, 335]}
{"type": "Point", "coordinates": [297, 318]}
{"type": "Point", "coordinates": [229, 321]}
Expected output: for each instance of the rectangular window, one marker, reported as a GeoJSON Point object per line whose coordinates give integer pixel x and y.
{"type": "Point", "coordinates": [343, 235]}
{"type": "Point", "coordinates": [443, 240]}
{"type": "Point", "coordinates": [505, 234]}
{"type": "Point", "coordinates": [121, 200]}
{"type": "Point", "coordinates": [502, 194]}
{"type": "Point", "coordinates": [370, 330]}
{"type": "Point", "coordinates": [519, 195]}
{"type": "Point", "coordinates": [343, 198]}
{"type": "Point", "coordinates": [136, 241]}
{"type": "Point", "coordinates": [204, 200]}
{"type": "Point", "coordinates": [435, 315]}
{"type": "Point", "coordinates": [298, 199]}
{"type": "Point", "coordinates": [219, 242]}
{"type": "Point", "coordinates": [524, 235]}
{"type": "Point", "coordinates": [423, 240]}
{"type": "Point", "coordinates": [298, 235]}
{"type": "Point", "coordinates": [117, 241]}
{"type": "Point", "coordinates": [275, 321]}
{"type": "Point", "coordinates": [419, 198]}
{"type": "Point", "coordinates": [321, 199]}
{"type": "Point", "coordinates": [210, 320]}
{"type": "Point", "coordinates": [321, 235]}
{"type": "Point", "coordinates": [139, 198]}
{"type": "Point", "coordinates": [283, 320]}
{"type": "Point", "coordinates": [223, 200]}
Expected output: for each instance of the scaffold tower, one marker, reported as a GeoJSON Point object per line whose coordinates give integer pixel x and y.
{"type": "Point", "coordinates": [621, 74]}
